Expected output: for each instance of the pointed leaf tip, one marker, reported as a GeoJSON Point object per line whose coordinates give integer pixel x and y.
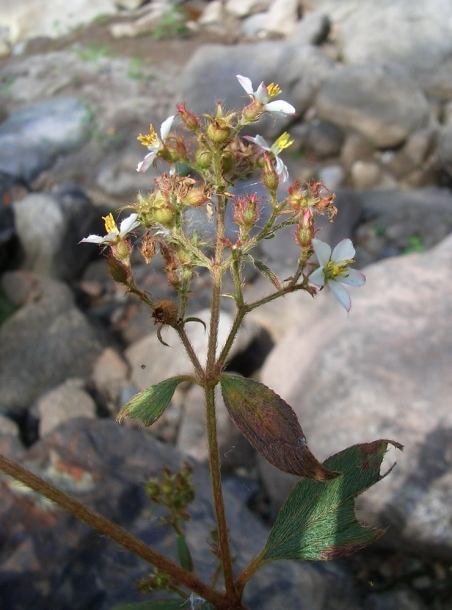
{"type": "Point", "coordinates": [149, 405]}
{"type": "Point", "coordinates": [272, 427]}
{"type": "Point", "coordinates": [317, 521]}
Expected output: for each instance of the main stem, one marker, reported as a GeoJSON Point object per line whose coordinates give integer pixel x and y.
{"type": "Point", "coordinates": [211, 380]}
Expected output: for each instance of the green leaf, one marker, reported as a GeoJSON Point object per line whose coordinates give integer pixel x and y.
{"type": "Point", "coordinates": [267, 273]}
{"type": "Point", "coordinates": [317, 521]}
{"type": "Point", "coordinates": [184, 555]}
{"type": "Point", "coordinates": [271, 426]}
{"type": "Point", "coordinates": [149, 405]}
{"type": "Point", "coordinates": [153, 604]}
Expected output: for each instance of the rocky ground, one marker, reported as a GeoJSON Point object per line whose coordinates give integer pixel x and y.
{"type": "Point", "coordinates": [129, 82]}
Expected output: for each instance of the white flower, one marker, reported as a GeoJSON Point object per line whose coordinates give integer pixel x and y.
{"type": "Point", "coordinates": [264, 94]}
{"type": "Point", "coordinates": [114, 235]}
{"type": "Point", "coordinates": [281, 143]}
{"type": "Point", "coordinates": [154, 143]}
{"type": "Point", "coordinates": [334, 270]}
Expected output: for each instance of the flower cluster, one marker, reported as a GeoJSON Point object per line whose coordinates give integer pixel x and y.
{"type": "Point", "coordinates": [216, 156]}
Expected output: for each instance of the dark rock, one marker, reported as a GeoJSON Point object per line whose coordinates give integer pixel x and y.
{"type": "Point", "coordinates": [51, 560]}
{"type": "Point", "coordinates": [44, 342]}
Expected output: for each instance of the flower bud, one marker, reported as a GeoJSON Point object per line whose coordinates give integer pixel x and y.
{"type": "Point", "coordinates": [253, 112]}
{"type": "Point", "coordinates": [227, 161]}
{"type": "Point", "coordinates": [189, 119]}
{"type": "Point", "coordinates": [218, 132]}
{"type": "Point", "coordinates": [164, 216]}
{"type": "Point", "coordinates": [203, 158]}
{"type": "Point", "coordinates": [270, 178]}
{"type": "Point", "coordinates": [196, 197]}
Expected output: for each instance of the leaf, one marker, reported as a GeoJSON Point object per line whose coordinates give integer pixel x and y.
{"type": "Point", "coordinates": [184, 555]}
{"type": "Point", "coordinates": [271, 426]}
{"type": "Point", "coordinates": [317, 521]}
{"type": "Point", "coordinates": [149, 405]}
{"type": "Point", "coordinates": [153, 604]}
{"type": "Point", "coordinates": [267, 273]}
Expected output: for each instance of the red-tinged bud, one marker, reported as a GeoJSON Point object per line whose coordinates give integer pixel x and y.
{"type": "Point", "coordinates": [270, 178]}
{"type": "Point", "coordinates": [190, 120]}
{"type": "Point", "coordinates": [246, 211]}
{"type": "Point", "coordinates": [305, 232]}
{"type": "Point", "coordinates": [118, 271]}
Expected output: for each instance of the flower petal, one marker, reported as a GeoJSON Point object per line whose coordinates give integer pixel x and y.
{"type": "Point", "coordinates": [147, 161]}
{"type": "Point", "coordinates": [261, 94]}
{"type": "Point", "coordinates": [166, 127]}
{"type": "Point", "coordinates": [280, 107]}
{"type": "Point", "coordinates": [128, 224]}
{"type": "Point", "coordinates": [341, 294]}
{"type": "Point", "coordinates": [246, 83]}
{"type": "Point", "coordinates": [317, 277]}
{"type": "Point", "coordinates": [344, 251]}
{"type": "Point", "coordinates": [281, 170]}
{"type": "Point", "coordinates": [92, 239]}
{"type": "Point", "coordinates": [322, 251]}
{"type": "Point", "coordinates": [354, 278]}
{"type": "Point", "coordinates": [260, 141]}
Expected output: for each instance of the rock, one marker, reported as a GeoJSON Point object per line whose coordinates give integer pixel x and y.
{"type": "Point", "coordinates": [67, 401]}
{"type": "Point", "coordinates": [152, 362]}
{"type": "Point", "coordinates": [381, 373]}
{"type": "Point", "coordinates": [380, 102]}
{"type": "Point", "coordinates": [110, 375]}
{"type": "Point", "coordinates": [324, 139]}
{"type": "Point", "coordinates": [313, 28]}
{"type": "Point", "coordinates": [243, 8]}
{"type": "Point", "coordinates": [25, 20]}
{"type": "Point", "coordinates": [10, 444]}
{"type": "Point", "coordinates": [31, 138]}
{"type": "Point", "coordinates": [49, 228]}
{"type": "Point", "coordinates": [412, 33]}
{"type": "Point", "coordinates": [44, 342]}
{"type": "Point", "coordinates": [401, 216]}
{"type": "Point", "coordinates": [55, 561]}
{"type": "Point", "coordinates": [210, 73]}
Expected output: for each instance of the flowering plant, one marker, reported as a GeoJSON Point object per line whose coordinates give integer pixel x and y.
{"type": "Point", "coordinates": [217, 156]}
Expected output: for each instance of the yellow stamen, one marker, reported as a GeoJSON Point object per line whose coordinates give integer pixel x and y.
{"type": "Point", "coordinates": [283, 142]}
{"type": "Point", "coordinates": [110, 224]}
{"type": "Point", "coordinates": [273, 90]}
{"type": "Point", "coordinates": [150, 139]}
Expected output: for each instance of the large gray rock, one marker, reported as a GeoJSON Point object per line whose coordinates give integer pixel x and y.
{"type": "Point", "coordinates": [382, 372]}
{"type": "Point", "coordinates": [31, 138]}
{"type": "Point", "coordinates": [44, 342]}
{"type": "Point", "coordinates": [414, 33]}
{"type": "Point", "coordinates": [55, 561]}
{"type": "Point", "coordinates": [49, 227]}
{"type": "Point", "coordinates": [379, 101]}
{"type": "Point", "coordinates": [211, 75]}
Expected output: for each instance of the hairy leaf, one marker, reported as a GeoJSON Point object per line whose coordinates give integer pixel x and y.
{"type": "Point", "coordinates": [317, 521]}
{"type": "Point", "coordinates": [271, 426]}
{"type": "Point", "coordinates": [149, 405]}
{"type": "Point", "coordinates": [267, 273]}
